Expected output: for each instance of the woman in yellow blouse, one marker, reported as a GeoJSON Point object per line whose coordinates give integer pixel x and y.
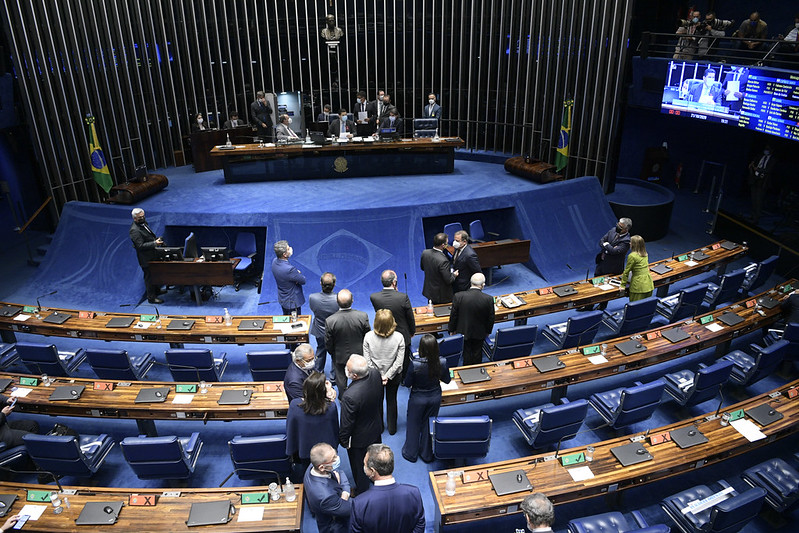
{"type": "Point", "coordinates": [640, 285]}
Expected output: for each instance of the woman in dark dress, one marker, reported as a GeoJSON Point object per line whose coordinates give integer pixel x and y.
{"type": "Point", "coordinates": [425, 400]}
{"type": "Point", "coordinates": [310, 420]}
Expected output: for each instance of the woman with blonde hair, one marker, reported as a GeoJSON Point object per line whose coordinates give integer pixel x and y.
{"type": "Point", "coordinates": [384, 349]}
{"type": "Point", "coordinates": [639, 285]}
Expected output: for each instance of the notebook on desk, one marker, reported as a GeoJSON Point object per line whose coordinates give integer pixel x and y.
{"type": "Point", "coordinates": [6, 501]}
{"type": "Point", "coordinates": [566, 290]}
{"type": "Point", "coordinates": [99, 513]}
{"type": "Point", "coordinates": [67, 392]}
{"type": "Point", "coordinates": [235, 397]}
{"type": "Point", "coordinates": [510, 482]}
{"type": "Point", "coordinates": [661, 268]}
{"type": "Point", "coordinates": [251, 325]}
{"type": "Point", "coordinates": [631, 347]}
{"type": "Point", "coordinates": [209, 513]}
{"type": "Point", "coordinates": [57, 318]}
{"type": "Point", "coordinates": [444, 310]}
{"type": "Point", "coordinates": [768, 302]}
{"type": "Point", "coordinates": [730, 319]}
{"type": "Point", "coordinates": [630, 454]}
{"type": "Point", "coordinates": [152, 395]}
{"type": "Point", "coordinates": [10, 310]}
{"type": "Point", "coordinates": [548, 364]}
{"type": "Point", "coordinates": [473, 375]}
{"type": "Point", "coordinates": [120, 322]}
{"type": "Point", "coordinates": [180, 324]}
{"type": "Point", "coordinates": [687, 436]}
{"type": "Point", "coordinates": [699, 255]}
{"type": "Point", "coordinates": [675, 335]}
{"type": "Point", "coordinates": [764, 414]}
{"type": "Point", "coordinates": [729, 245]}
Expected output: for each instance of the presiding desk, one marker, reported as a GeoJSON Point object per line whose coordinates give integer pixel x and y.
{"type": "Point", "coordinates": [477, 500]}
{"type": "Point", "coordinates": [544, 301]}
{"type": "Point", "coordinates": [252, 162]}
{"type": "Point", "coordinates": [520, 376]}
{"type": "Point", "coordinates": [194, 273]}
{"type": "Point", "coordinates": [166, 510]}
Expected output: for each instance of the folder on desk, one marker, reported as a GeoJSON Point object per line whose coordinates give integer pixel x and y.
{"type": "Point", "coordinates": [6, 501]}
{"type": "Point", "coordinates": [730, 318]}
{"type": "Point", "coordinates": [661, 268]}
{"type": "Point", "coordinates": [57, 318]}
{"type": "Point", "coordinates": [180, 324]}
{"type": "Point", "coordinates": [120, 322]}
{"type": "Point", "coordinates": [152, 395]}
{"type": "Point", "coordinates": [510, 482]}
{"type": "Point", "coordinates": [675, 335]}
{"type": "Point", "coordinates": [630, 454]}
{"type": "Point", "coordinates": [473, 375]}
{"type": "Point", "coordinates": [97, 513]}
{"type": "Point", "coordinates": [699, 255]}
{"type": "Point", "coordinates": [209, 513]}
{"type": "Point", "coordinates": [729, 245]}
{"type": "Point", "coordinates": [768, 302]}
{"type": "Point", "coordinates": [548, 364]}
{"type": "Point", "coordinates": [10, 310]}
{"type": "Point", "coordinates": [235, 397]}
{"type": "Point", "coordinates": [631, 347]}
{"type": "Point", "coordinates": [67, 392]}
{"type": "Point", "coordinates": [566, 290]}
{"type": "Point", "coordinates": [687, 436]}
{"type": "Point", "coordinates": [251, 325]}
{"type": "Point", "coordinates": [764, 414]}
{"type": "Point", "coordinates": [444, 310]}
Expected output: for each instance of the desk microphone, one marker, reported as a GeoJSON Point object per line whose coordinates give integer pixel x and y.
{"type": "Point", "coordinates": [570, 267]}
{"type": "Point", "coordinates": [157, 314]}
{"type": "Point", "coordinates": [557, 450]}
{"type": "Point", "coordinates": [55, 478]}
{"type": "Point", "coordinates": [405, 275]}
{"type": "Point", "coordinates": [39, 305]}
{"type": "Point", "coordinates": [721, 402]}
{"type": "Point", "coordinates": [266, 302]}
{"type": "Point", "coordinates": [254, 470]}
{"type": "Point", "coordinates": [587, 273]}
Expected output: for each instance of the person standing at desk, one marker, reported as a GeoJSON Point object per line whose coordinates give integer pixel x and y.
{"type": "Point", "coordinates": [261, 115]}
{"type": "Point", "coordinates": [360, 109]}
{"type": "Point", "coordinates": [472, 316]}
{"type": "Point", "coordinates": [288, 278]}
{"type": "Point", "coordinates": [344, 332]}
{"type": "Point", "coordinates": [301, 365]}
{"type": "Point", "coordinates": [438, 274]}
{"type": "Point", "coordinates": [432, 109]}
{"type": "Point", "coordinates": [323, 305]}
{"type": "Point", "coordinates": [145, 243]}
{"type": "Point", "coordinates": [640, 286]}
{"type": "Point", "coordinates": [384, 348]}
{"type": "Point", "coordinates": [464, 261]}
{"type": "Point", "coordinates": [312, 418]}
{"type": "Point", "coordinates": [614, 246]}
{"type": "Point", "coordinates": [341, 127]}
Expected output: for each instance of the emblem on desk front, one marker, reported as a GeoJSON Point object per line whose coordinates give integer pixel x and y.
{"type": "Point", "coordinates": [340, 164]}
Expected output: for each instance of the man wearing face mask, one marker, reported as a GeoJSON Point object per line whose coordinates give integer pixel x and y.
{"type": "Point", "coordinates": [145, 242]}
{"type": "Point", "coordinates": [341, 127]}
{"type": "Point", "coordinates": [709, 91]}
{"type": "Point", "coordinates": [288, 278]}
{"type": "Point", "coordinates": [464, 261]}
{"type": "Point", "coordinates": [374, 108]}
{"type": "Point", "coordinates": [752, 28]}
{"type": "Point", "coordinates": [687, 46]}
{"type": "Point", "coordinates": [384, 108]}
{"type": "Point", "coordinates": [327, 490]}
{"type": "Point", "coordinates": [760, 171]}
{"type": "Point", "coordinates": [301, 366]}
{"type": "Point", "coordinates": [712, 27]}
{"type": "Point", "coordinates": [261, 116]}
{"type": "Point", "coordinates": [359, 110]}
{"type": "Point", "coordinates": [284, 131]}
{"type": "Point", "coordinates": [432, 109]}
{"type": "Point", "coordinates": [392, 121]}
{"type": "Point", "coordinates": [438, 273]}
{"type": "Point", "coordinates": [614, 247]}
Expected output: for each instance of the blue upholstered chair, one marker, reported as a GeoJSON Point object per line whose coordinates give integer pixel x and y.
{"type": "Point", "coordinates": [195, 365]}
{"type": "Point", "coordinates": [187, 253]}
{"type": "Point", "coordinates": [547, 424]}
{"type": "Point", "coordinates": [13, 458]}
{"type": "Point", "coordinates": [758, 273]}
{"type": "Point", "coordinates": [68, 455]}
{"type": "Point", "coordinates": [258, 457]}
{"type": "Point", "coordinates": [578, 330]}
{"type": "Point", "coordinates": [728, 289]}
{"type": "Point", "coordinates": [458, 437]}
{"type": "Point", "coordinates": [636, 316]}
{"type": "Point", "coordinates": [451, 229]}
{"type": "Point", "coordinates": [162, 457]}
{"type": "Point", "coordinates": [790, 334]}
{"type": "Point", "coordinates": [425, 127]}
{"type": "Point", "coordinates": [750, 369]}
{"type": "Point", "coordinates": [477, 233]}
{"type": "Point", "coordinates": [118, 364]}
{"type": "Point", "coordinates": [628, 405]}
{"type": "Point", "coordinates": [692, 388]}
{"type": "Point", "coordinates": [269, 365]}
{"type": "Point", "coordinates": [47, 359]}
{"type": "Point", "coordinates": [245, 250]}
{"type": "Point", "coordinates": [780, 481]}
{"type": "Point", "coordinates": [451, 349]}
{"type": "Point", "coordinates": [614, 522]}
{"type": "Point", "coordinates": [683, 304]}
{"type": "Point", "coordinates": [8, 355]}
{"type": "Point", "coordinates": [516, 341]}
{"type": "Point", "coordinates": [728, 516]}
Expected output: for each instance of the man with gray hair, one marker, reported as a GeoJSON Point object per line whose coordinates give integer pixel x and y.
{"type": "Point", "coordinates": [472, 316]}
{"type": "Point", "coordinates": [301, 366]}
{"type": "Point", "coordinates": [327, 490]}
{"type": "Point", "coordinates": [614, 247]}
{"type": "Point", "coordinates": [400, 306]}
{"type": "Point", "coordinates": [344, 332]}
{"type": "Point", "coordinates": [145, 242]}
{"type": "Point", "coordinates": [539, 512]}
{"type": "Point", "coordinates": [288, 278]}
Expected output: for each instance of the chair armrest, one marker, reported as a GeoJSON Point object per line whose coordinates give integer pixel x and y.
{"type": "Point", "coordinates": [702, 365]}
{"type": "Point", "coordinates": [768, 480]}
{"type": "Point", "coordinates": [192, 443]}
{"type": "Point", "coordinates": [639, 519]}
{"type": "Point", "coordinates": [3, 446]}
{"type": "Point", "coordinates": [726, 485]}
{"type": "Point", "coordinates": [564, 401]}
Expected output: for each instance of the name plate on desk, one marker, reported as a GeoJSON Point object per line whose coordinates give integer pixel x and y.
{"type": "Point", "coordinates": [143, 500]}
{"type": "Point", "coordinates": [185, 388]}
{"type": "Point", "coordinates": [255, 498]}
{"type": "Point", "coordinates": [104, 385]}
{"type": "Point", "coordinates": [87, 314]}
{"type": "Point", "coordinates": [273, 387]}
{"type": "Point", "coordinates": [591, 350]}
{"type": "Point", "coordinates": [214, 320]}
{"type": "Point", "coordinates": [472, 477]}
{"type": "Point", "coordinates": [30, 382]}
{"type": "Point", "coordinates": [524, 363]}
{"type": "Point", "coordinates": [147, 318]}
{"type": "Point", "coordinates": [572, 459]}
{"type": "Point", "coordinates": [38, 496]}
{"type": "Point", "coordinates": [545, 291]}
{"type": "Point", "coordinates": [706, 319]}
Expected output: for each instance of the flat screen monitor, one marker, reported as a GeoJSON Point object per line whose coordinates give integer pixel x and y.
{"type": "Point", "coordinates": [190, 247]}
{"type": "Point", "coordinates": [215, 254]}
{"type": "Point", "coordinates": [170, 253]}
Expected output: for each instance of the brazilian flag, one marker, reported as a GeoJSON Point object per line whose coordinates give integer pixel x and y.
{"type": "Point", "coordinates": [562, 157]}
{"type": "Point", "coordinates": [99, 166]}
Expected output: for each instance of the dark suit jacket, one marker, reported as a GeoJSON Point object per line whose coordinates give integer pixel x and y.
{"type": "Point", "coordinates": [398, 124]}
{"type": "Point", "coordinates": [261, 113]}
{"type": "Point", "coordinates": [612, 261]}
{"type": "Point", "coordinates": [435, 114]}
{"type": "Point", "coordinates": [289, 282]}
{"type": "Point", "coordinates": [400, 306]}
{"type": "Point", "coordinates": [472, 314]}
{"type": "Point", "coordinates": [322, 118]}
{"type": "Point", "coordinates": [437, 276]}
{"type": "Point", "coordinates": [467, 264]}
{"type": "Point", "coordinates": [229, 124]}
{"type": "Point", "coordinates": [334, 130]}
{"type": "Point", "coordinates": [292, 382]}
{"type": "Point", "coordinates": [356, 108]}
{"type": "Point", "coordinates": [283, 132]}
{"type": "Point", "coordinates": [716, 92]}
{"type": "Point", "coordinates": [362, 412]}
{"type": "Point", "coordinates": [324, 498]}
{"type": "Point", "coordinates": [371, 110]}
{"type": "Point", "coordinates": [143, 243]}
{"type": "Point", "coordinates": [344, 331]}
{"type": "Point", "coordinates": [395, 508]}
{"type": "Point", "coordinates": [323, 305]}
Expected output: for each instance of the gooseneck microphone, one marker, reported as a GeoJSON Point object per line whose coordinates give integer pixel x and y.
{"type": "Point", "coordinates": [39, 305]}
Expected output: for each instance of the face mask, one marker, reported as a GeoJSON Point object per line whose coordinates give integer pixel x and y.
{"type": "Point", "coordinates": [349, 374]}
{"type": "Point", "coordinates": [344, 118]}
{"type": "Point", "coordinates": [199, 121]}
{"type": "Point", "coordinates": [290, 251]}
{"type": "Point", "coordinates": [796, 25]}
{"type": "Point", "coordinates": [618, 229]}
{"type": "Point", "coordinates": [289, 121]}
{"type": "Point", "coordinates": [456, 244]}
{"type": "Point", "coordinates": [695, 20]}
{"type": "Point", "coordinates": [753, 23]}
{"type": "Point", "coordinates": [360, 101]}
{"type": "Point", "coordinates": [335, 464]}
{"type": "Point", "coordinates": [366, 471]}
{"type": "Point", "coordinates": [309, 365]}
{"type": "Point", "coordinates": [432, 101]}
{"type": "Point", "coordinates": [392, 119]}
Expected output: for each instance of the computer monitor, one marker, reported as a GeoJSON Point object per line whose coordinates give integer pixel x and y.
{"type": "Point", "coordinates": [190, 247]}
{"type": "Point", "coordinates": [388, 134]}
{"type": "Point", "coordinates": [215, 254]}
{"type": "Point", "coordinates": [140, 173]}
{"type": "Point", "coordinates": [170, 253]}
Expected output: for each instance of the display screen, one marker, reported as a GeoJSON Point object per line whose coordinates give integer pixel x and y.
{"type": "Point", "coordinates": [754, 98]}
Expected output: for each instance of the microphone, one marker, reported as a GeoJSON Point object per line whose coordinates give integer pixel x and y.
{"type": "Point", "coordinates": [39, 305]}
{"type": "Point", "coordinates": [560, 441]}
{"type": "Point", "coordinates": [266, 302]}
{"type": "Point", "coordinates": [718, 409]}
{"type": "Point", "coordinates": [587, 274]}
{"type": "Point", "coordinates": [55, 478]}
{"type": "Point", "coordinates": [181, 367]}
{"type": "Point", "coordinates": [570, 267]}
{"type": "Point", "coordinates": [277, 476]}
{"type": "Point", "coordinates": [405, 275]}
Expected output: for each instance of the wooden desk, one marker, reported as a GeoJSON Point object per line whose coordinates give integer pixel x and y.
{"type": "Point", "coordinates": [169, 514]}
{"type": "Point", "coordinates": [194, 273]}
{"type": "Point", "coordinates": [588, 294]}
{"type": "Point", "coordinates": [203, 141]}
{"type": "Point", "coordinates": [504, 252]}
{"type": "Point", "coordinates": [506, 380]}
{"type": "Point", "coordinates": [477, 501]}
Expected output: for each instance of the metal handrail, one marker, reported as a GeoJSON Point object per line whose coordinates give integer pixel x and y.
{"type": "Point", "coordinates": [34, 215]}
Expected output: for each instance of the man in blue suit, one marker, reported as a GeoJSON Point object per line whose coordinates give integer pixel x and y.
{"type": "Point", "coordinates": [432, 109]}
{"type": "Point", "coordinates": [323, 304]}
{"type": "Point", "coordinates": [388, 507]}
{"type": "Point", "coordinates": [327, 490]}
{"type": "Point", "coordinates": [288, 278]}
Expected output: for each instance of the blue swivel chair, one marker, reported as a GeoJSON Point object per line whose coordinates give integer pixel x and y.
{"type": "Point", "coordinates": [780, 481]}
{"type": "Point", "coordinates": [628, 405]}
{"type": "Point", "coordinates": [516, 341]}
{"type": "Point", "coordinates": [476, 232]}
{"type": "Point", "coordinates": [195, 365]}
{"type": "Point", "coordinates": [269, 365]}
{"type": "Point", "coordinates": [683, 304]}
{"type": "Point", "coordinates": [162, 457]}
{"type": "Point", "coordinates": [245, 250]}
{"type": "Point", "coordinates": [692, 388]}
{"type": "Point", "coordinates": [8, 355]}
{"type": "Point", "coordinates": [188, 250]}
{"type": "Point", "coordinates": [68, 455]}
{"type": "Point", "coordinates": [578, 330]}
{"type": "Point", "coordinates": [451, 229]}
{"type": "Point", "coordinates": [118, 364]}
{"type": "Point", "coordinates": [458, 437]}
{"type": "Point", "coordinates": [790, 334]}
{"type": "Point", "coordinates": [614, 522]}
{"type": "Point", "coordinates": [547, 424]}
{"type": "Point", "coordinates": [636, 316]}
{"type": "Point", "coordinates": [425, 127]}
{"type": "Point", "coordinates": [758, 273]}
{"type": "Point", "coordinates": [727, 290]}
{"type": "Point", "coordinates": [47, 359]}
{"type": "Point", "coordinates": [451, 349]}
{"type": "Point", "coordinates": [13, 458]}
{"type": "Point", "coordinates": [259, 457]}
{"type": "Point", "coordinates": [728, 516]}
{"type": "Point", "coordinates": [750, 369]}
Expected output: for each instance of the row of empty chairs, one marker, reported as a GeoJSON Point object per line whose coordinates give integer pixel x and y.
{"type": "Point", "coordinates": [476, 231]}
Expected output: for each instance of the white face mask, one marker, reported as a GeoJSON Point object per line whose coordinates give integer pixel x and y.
{"type": "Point", "coordinates": [432, 101]}
{"type": "Point", "coordinates": [199, 121]}
{"type": "Point", "coordinates": [349, 374]}
{"type": "Point", "coordinates": [456, 244]}
{"type": "Point", "coordinates": [309, 365]}
{"type": "Point", "coordinates": [289, 120]}
{"type": "Point", "coordinates": [392, 118]}
{"type": "Point", "coordinates": [290, 252]}
{"type": "Point", "coordinates": [360, 101]}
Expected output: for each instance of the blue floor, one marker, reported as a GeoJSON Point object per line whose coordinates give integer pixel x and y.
{"type": "Point", "coordinates": [202, 199]}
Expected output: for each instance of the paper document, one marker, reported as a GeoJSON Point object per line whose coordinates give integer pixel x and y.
{"type": "Point", "coordinates": [691, 263]}
{"type": "Point", "coordinates": [20, 392]}
{"type": "Point", "coordinates": [607, 287]}
{"type": "Point", "coordinates": [597, 359]}
{"type": "Point", "coordinates": [714, 327]}
{"type": "Point", "coordinates": [733, 87]}
{"type": "Point", "coordinates": [251, 513]}
{"type": "Point", "coordinates": [361, 115]}
{"type": "Point", "coordinates": [34, 511]}
{"type": "Point", "coordinates": [285, 327]}
{"type": "Point", "coordinates": [452, 385]}
{"type": "Point", "coordinates": [748, 429]}
{"type": "Point", "coordinates": [581, 473]}
{"type": "Point", "coordinates": [183, 398]}
{"type": "Point", "coordinates": [142, 325]}
{"type": "Point", "coordinates": [21, 318]}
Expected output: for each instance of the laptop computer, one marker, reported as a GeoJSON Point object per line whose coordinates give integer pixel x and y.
{"type": "Point", "coordinates": [730, 318]}
{"type": "Point", "coordinates": [57, 318]}
{"type": "Point", "coordinates": [5, 382]}
{"type": "Point", "coordinates": [763, 414]}
{"type": "Point", "coordinates": [6, 501]}
{"type": "Point", "coordinates": [687, 436]}
{"type": "Point", "coordinates": [209, 513]}
{"type": "Point", "coordinates": [10, 310]}
{"type": "Point", "coordinates": [152, 395]}
{"type": "Point", "coordinates": [661, 268]}
{"type": "Point", "coordinates": [566, 290]}
{"type": "Point", "coordinates": [180, 324]}
{"type": "Point", "coordinates": [510, 482]}
{"type": "Point", "coordinates": [768, 302]}
{"type": "Point", "coordinates": [548, 364]}
{"type": "Point", "coordinates": [631, 347]}
{"type": "Point", "coordinates": [729, 245]}
{"type": "Point", "coordinates": [99, 513]}
{"type": "Point", "coordinates": [675, 334]}
{"type": "Point", "coordinates": [473, 375]}
{"type": "Point", "coordinates": [235, 397]}
{"type": "Point", "coordinates": [120, 322]}
{"type": "Point", "coordinates": [251, 325]}
{"type": "Point", "coordinates": [67, 392]}
{"type": "Point", "coordinates": [319, 138]}
{"type": "Point", "coordinates": [630, 454]}
{"type": "Point", "coordinates": [444, 310]}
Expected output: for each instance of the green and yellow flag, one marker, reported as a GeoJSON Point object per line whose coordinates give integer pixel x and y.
{"type": "Point", "coordinates": [562, 157]}
{"type": "Point", "coordinates": [97, 159]}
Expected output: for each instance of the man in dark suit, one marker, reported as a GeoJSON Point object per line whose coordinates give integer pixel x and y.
{"type": "Point", "coordinates": [11, 433]}
{"type": "Point", "coordinates": [438, 274]}
{"type": "Point", "coordinates": [324, 116]}
{"type": "Point", "coordinates": [261, 116]}
{"type": "Point", "coordinates": [709, 91]}
{"type": "Point", "coordinates": [145, 242]}
{"type": "Point", "coordinates": [374, 108]}
{"type": "Point", "coordinates": [473, 317]}
{"type": "Point", "coordinates": [288, 278]}
{"type": "Point", "coordinates": [739, 76]}
{"type": "Point", "coordinates": [233, 122]}
{"type": "Point", "coordinates": [614, 246]}
{"type": "Point", "coordinates": [323, 304]}
{"type": "Point", "coordinates": [341, 126]}
{"type": "Point", "coordinates": [344, 332]}
{"type": "Point", "coordinates": [464, 261]}
{"type": "Point", "coordinates": [400, 306]}
{"type": "Point", "coordinates": [301, 365]}
{"type": "Point", "coordinates": [393, 121]}
{"type": "Point", "coordinates": [761, 170]}
{"type": "Point", "coordinates": [432, 109]}
{"type": "Point", "coordinates": [361, 415]}
{"type": "Point", "coordinates": [327, 490]}
{"type": "Point", "coordinates": [388, 507]}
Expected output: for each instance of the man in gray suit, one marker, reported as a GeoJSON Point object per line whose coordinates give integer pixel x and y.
{"type": "Point", "coordinates": [284, 131]}
{"type": "Point", "coordinates": [323, 304]}
{"type": "Point", "coordinates": [344, 332]}
{"type": "Point", "coordinates": [473, 316]}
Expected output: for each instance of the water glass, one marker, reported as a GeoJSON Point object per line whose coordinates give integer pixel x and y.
{"type": "Point", "coordinates": [604, 349]}
{"type": "Point", "coordinates": [589, 453]}
{"type": "Point", "coordinates": [274, 492]}
{"type": "Point", "coordinates": [203, 387]}
{"type": "Point", "coordinates": [449, 488]}
{"type": "Point", "coordinates": [45, 380]}
{"type": "Point", "coordinates": [725, 419]}
{"type": "Point", "coordinates": [55, 499]}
